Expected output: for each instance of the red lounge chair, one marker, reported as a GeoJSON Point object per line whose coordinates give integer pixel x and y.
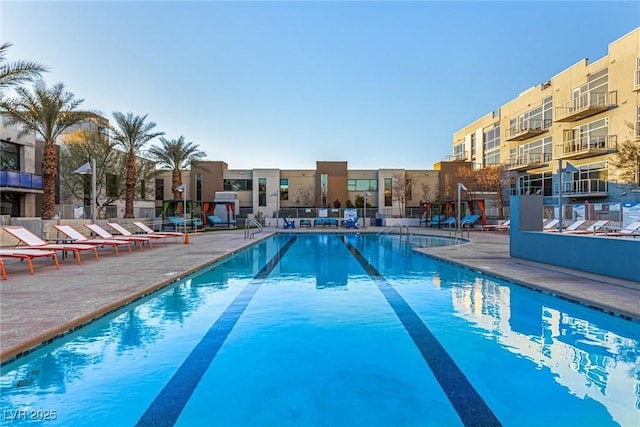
{"type": "Point", "coordinates": [126, 233]}
{"type": "Point", "coordinates": [148, 231]}
{"type": "Point", "coordinates": [76, 236]}
{"type": "Point", "coordinates": [34, 242]}
{"type": "Point", "coordinates": [27, 254]}
{"type": "Point", "coordinates": [106, 235]}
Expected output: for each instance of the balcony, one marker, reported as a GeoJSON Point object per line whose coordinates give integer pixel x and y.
{"type": "Point", "coordinates": [636, 81]}
{"type": "Point", "coordinates": [530, 161]}
{"type": "Point", "coordinates": [457, 157]}
{"type": "Point", "coordinates": [586, 146]}
{"type": "Point", "coordinates": [636, 131]}
{"type": "Point", "coordinates": [15, 180]}
{"type": "Point", "coordinates": [529, 129]}
{"type": "Point", "coordinates": [587, 105]}
{"type": "Point", "coordinates": [584, 188]}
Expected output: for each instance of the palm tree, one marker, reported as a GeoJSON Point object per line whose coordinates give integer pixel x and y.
{"type": "Point", "coordinates": [16, 72]}
{"type": "Point", "coordinates": [47, 112]}
{"type": "Point", "coordinates": [131, 135]}
{"type": "Point", "coordinates": [176, 155]}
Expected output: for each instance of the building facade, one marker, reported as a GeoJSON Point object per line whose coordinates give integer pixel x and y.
{"type": "Point", "coordinates": [574, 122]}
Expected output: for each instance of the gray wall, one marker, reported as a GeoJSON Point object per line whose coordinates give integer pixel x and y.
{"type": "Point", "coordinates": [609, 256]}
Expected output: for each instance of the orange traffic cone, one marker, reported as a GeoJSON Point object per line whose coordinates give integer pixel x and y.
{"type": "Point", "coordinates": [186, 238]}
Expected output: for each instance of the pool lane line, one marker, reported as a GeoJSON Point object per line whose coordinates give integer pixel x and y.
{"type": "Point", "coordinates": [470, 406]}
{"type": "Point", "coordinates": [169, 403]}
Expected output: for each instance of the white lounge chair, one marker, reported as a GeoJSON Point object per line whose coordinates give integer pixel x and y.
{"type": "Point", "coordinates": [34, 242]}
{"type": "Point", "coordinates": [76, 236]}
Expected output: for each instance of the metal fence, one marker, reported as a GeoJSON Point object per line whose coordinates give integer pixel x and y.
{"type": "Point", "coordinates": [105, 212]}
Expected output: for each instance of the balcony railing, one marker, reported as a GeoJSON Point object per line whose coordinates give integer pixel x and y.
{"type": "Point", "coordinates": [588, 104]}
{"type": "Point", "coordinates": [457, 157]}
{"type": "Point", "coordinates": [586, 146]}
{"type": "Point", "coordinates": [23, 180]}
{"type": "Point", "coordinates": [636, 81]}
{"type": "Point", "coordinates": [584, 188]}
{"type": "Point", "coordinates": [529, 161]}
{"type": "Point", "coordinates": [636, 130]}
{"type": "Point", "coordinates": [529, 129]}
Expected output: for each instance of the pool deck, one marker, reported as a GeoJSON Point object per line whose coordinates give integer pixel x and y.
{"type": "Point", "coordinates": [34, 309]}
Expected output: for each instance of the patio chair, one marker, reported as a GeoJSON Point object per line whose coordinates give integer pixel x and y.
{"type": "Point", "coordinates": [550, 225]}
{"type": "Point", "coordinates": [592, 229]}
{"type": "Point", "coordinates": [352, 223]}
{"type": "Point", "coordinates": [574, 226]}
{"type": "Point", "coordinates": [505, 226]}
{"type": "Point", "coordinates": [147, 231]}
{"type": "Point", "coordinates": [26, 254]}
{"type": "Point", "coordinates": [288, 224]}
{"type": "Point", "coordinates": [76, 236]}
{"type": "Point", "coordinates": [34, 242]}
{"type": "Point", "coordinates": [126, 233]}
{"type": "Point", "coordinates": [631, 230]}
{"type": "Point", "coordinates": [95, 228]}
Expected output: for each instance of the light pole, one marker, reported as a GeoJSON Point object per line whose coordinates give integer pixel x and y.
{"type": "Point", "coordinates": [183, 189]}
{"type": "Point", "coordinates": [86, 169]}
{"type": "Point", "coordinates": [460, 188]}
{"type": "Point", "coordinates": [275, 194]}
{"type": "Point", "coordinates": [366, 194]}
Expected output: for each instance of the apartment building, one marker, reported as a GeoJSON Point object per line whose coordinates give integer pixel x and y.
{"type": "Point", "coordinates": [574, 122]}
{"type": "Point", "coordinates": [331, 184]}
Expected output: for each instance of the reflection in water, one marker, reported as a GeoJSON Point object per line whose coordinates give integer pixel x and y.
{"type": "Point", "coordinates": [584, 357]}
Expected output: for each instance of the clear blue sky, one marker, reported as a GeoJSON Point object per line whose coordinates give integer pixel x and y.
{"type": "Point", "coordinates": [284, 84]}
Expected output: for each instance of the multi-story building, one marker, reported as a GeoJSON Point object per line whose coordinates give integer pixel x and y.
{"type": "Point", "coordinates": [574, 122]}
{"type": "Point", "coordinates": [389, 192]}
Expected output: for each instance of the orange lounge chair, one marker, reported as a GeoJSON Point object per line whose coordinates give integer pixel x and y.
{"type": "Point", "coordinates": [76, 236]}
{"type": "Point", "coordinates": [126, 233]}
{"type": "Point", "coordinates": [148, 231]}
{"type": "Point", "coordinates": [631, 230]}
{"type": "Point", "coordinates": [34, 242]}
{"type": "Point", "coordinates": [106, 235]}
{"type": "Point", "coordinates": [27, 254]}
{"type": "Point", "coordinates": [592, 229]}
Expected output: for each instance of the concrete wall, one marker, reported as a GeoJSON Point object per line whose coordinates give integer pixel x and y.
{"type": "Point", "coordinates": [609, 256]}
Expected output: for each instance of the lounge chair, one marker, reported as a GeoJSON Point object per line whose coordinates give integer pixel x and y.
{"type": "Point", "coordinates": [96, 229]}
{"type": "Point", "coordinates": [592, 229]}
{"type": "Point", "coordinates": [437, 220]}
{"type": "Point", "coordinates": [449, 222]}
{"type": "Point", "coordinates": [34, 242]}
{"type": "Point", "coordinates": [505, 226]}
{"type": "Point", "coordinates": [574, 226]}
{"type": "Point", "coordinates": [289, 224]}
{"type": "Point", "coordinates": [305, 223]}
{"type": "Point", "coordinates": [325, 221]}
{"type": "Point", "coordinates": [76, 236]}
{"type": "Point", "coordinates": [351, 223]}
{"type": "Point", "coordinates": [216, 220]}
{"type": "Point", "coordinates": [26, 254]}
{"type": "Point", "coordinates": [550, 225]}
{"type": "Point", "coordinates": [469, 220]}
{"type": "Point", "coordinates": [631, 230]}
{"type": "Point", "coordinates": [126, 233]}
{"type": "Point", "coordinates": [149, 231]}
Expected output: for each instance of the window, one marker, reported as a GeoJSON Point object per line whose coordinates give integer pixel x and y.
{"type": "Point", "coordinates": [324, 188]}
{"type": "Point", "coordinates": [459, 151]}
{"type": "Point", "coordinates": [198, 186]}
{"type": "Point", "coordinates": [407, 189]}
{"type": "Point", "coordinates": [536, 184]}
{"type": "Point", "coordinates": [362, 185]}
{"type": "Point", "coordinates": [491, 144]}
{"type": "Point", "coordinates": [535, 152]}
{"type": "Point", "coordinates": [159, 189]}
{"type": "Point", "coordinates": [262, 191]}
{"type": "Point", "coordinates": [9, 204]}
{"type": "Point", "coordinates": [238, 185]}
{"type": "Point", "coordinates": [473, 145]}
{"type": "Point", "coordinates": [112, 185]}
{"type": "Point", "coordinates": [388, 192]}
{"type": "Point", "coordinates": [9, 156]}
{"type": "Point", "coordinates": [86, 190]}
{"type": "Point", "coordinates": [284, 189]}
{"type": "Point", "coordinates": [143, 189]}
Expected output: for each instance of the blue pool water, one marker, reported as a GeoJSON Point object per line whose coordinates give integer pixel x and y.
{"type": "Point", "coordinates": [330, 330]}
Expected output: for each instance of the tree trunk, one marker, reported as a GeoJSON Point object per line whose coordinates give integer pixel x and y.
{"type": "Point", "coordinates": [131, 186]}
{"type": "Point", "coordinates": [49, 173]}
{"type": "Point", "coordinates": [176, 179]}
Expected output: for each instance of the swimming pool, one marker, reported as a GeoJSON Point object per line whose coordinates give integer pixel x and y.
{"type": "Point", "coordinates": [336, 330]}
